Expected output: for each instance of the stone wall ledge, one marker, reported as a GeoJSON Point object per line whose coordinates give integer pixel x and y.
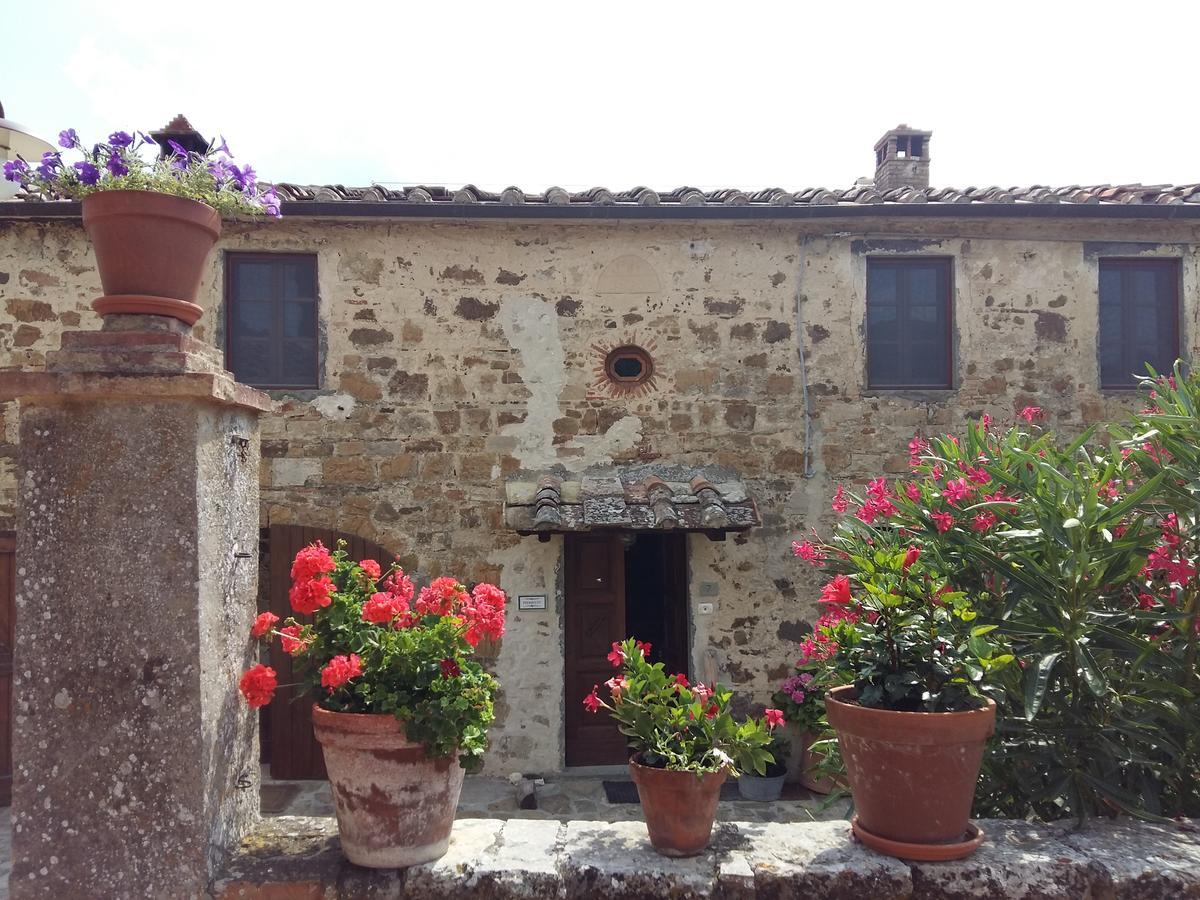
{"type": "Point", "coordinates": [48, 387]}
{"type": "Point", "coordinates": [491, 859]}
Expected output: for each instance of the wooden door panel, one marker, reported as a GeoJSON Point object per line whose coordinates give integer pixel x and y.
{"type": "Point", "coordinates": [594, 617]}
{"type": "Point", "coordinates": [295, 753]}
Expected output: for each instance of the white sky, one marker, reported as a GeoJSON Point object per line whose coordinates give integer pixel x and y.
{"type": "Point", "coordinates": [726, 94]}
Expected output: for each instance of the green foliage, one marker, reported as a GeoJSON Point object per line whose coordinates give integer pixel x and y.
{"type": "Point", "coordinates": [681, 727]}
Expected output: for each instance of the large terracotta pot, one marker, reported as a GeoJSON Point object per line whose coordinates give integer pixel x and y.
{"type": "Point", "coordinates": [679, 807]}
{"type": "Point", "coordinates": [912, 774]}
{"type": "Point", "coordinates": [395, 807]}
{"type": "Point", "coordinates": [151, 250]}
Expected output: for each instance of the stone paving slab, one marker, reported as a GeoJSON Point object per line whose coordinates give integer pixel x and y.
{"type": "Point", "coordinates": [521, 859]}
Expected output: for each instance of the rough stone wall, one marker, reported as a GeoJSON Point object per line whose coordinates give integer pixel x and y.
{"type": "Point", "coordinates": [455, 354]}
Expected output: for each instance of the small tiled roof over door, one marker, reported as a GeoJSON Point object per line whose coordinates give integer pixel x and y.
{"type": "Point", "coordinates": [710, 499]}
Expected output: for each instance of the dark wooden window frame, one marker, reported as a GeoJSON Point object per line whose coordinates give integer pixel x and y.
{"type": "Point", "coordinates": [232, 256]}
{"type": "Point", "coordinates": [1125, 263]}
{"type": "Point", "coordinates": [945, 262]}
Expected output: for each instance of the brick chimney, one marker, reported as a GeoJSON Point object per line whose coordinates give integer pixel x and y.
{"type": "Point", "coordinates": [902, 159]}
{"type": "Point", "coordinates": [179, 130]}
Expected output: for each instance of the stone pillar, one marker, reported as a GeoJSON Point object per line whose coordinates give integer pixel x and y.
{"type": "Point", "coordinates": [135, 763]}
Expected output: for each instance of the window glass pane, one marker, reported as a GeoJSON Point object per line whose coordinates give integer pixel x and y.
{"type": "Point", "coordinates": [251, 361]}
{"type": "Point", "coordinates": [252, 319]}
{"type": "Point", "coordinates": [1145, 324]}
{"type": "Point", "coordinates": [927, 363]}
{"type": "Point", "coordinates": [252, 281]}
{"type": "Point", "coordinates": [299, 320]}
{"type": "Point", "coordinates": [881, 316]}
{"type": "Point", "coordinates": [883, 361]}
{"type": "Point", "coordinates": [299, 362]}
{"type": "Point", "coordinates": [923, 284]}
{"type": "Point", "coordinates": [299, 281]}
{"type": "Point", "coordinates": [924, 315]}
{"type": "Point", "coordinates": [881, 283]}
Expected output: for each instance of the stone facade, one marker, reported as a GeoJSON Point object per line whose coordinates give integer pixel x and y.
{"type": "Point", "coordinates": [458, 353]}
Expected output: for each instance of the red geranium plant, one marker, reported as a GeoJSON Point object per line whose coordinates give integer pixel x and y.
{"type": "Point", "coordinates": [377, 645]}
{"type": "Point", "coordinates": [680, 726]}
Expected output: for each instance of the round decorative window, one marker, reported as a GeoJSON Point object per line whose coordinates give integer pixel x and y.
{"type": "Point", "coordinates": [628, 366]}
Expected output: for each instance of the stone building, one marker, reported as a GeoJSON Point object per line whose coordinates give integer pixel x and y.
{"type": "Point", "coordinates": [624, 406]}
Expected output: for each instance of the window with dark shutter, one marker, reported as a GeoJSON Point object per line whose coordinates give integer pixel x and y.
{"type": "Point", "coordinates": [271, 319]}
{"type": "Point", "coordinates": [909, 323]}
{"type": "Point", "coordinates": [1139, 318]}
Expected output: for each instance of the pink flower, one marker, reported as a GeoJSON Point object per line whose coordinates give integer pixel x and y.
{"type": "Point", "coordinates": [943, 521]}
{"type": "Point", "coordinates": [916, 448]}
{"type": "Point", "coordinates": [913, 554]}
{"type": "Point", "coordinates": [592, 702]}
{"type": "Point", "coordinates": [615, 684]}
{"type": "Point", "coordinates": [701, 693]}
{"type": "Point", "coordinates": [617, 656]}
{"type": "Point", "coordinates": [983, 522]}
{"type": "Point", "coordinates": [773, 717]}
{"type": "Point", "coordinates": [644, 646]}
{"type": "Point", "coordinates": [977, 476]}
{"type": "Point", "coordinates": [956, 490]}
{"type": "Point", "coordinates": [840, 503]}
{"type": "Point", "coordinates": [878, 489]}
{"type": "Point", "coordinates": [1031, 413]}
{"type": "Point", "coordinates": [681, 680]}
{"type": "Point", "coordinates": [913, 491]}
{"type": "Point", "coordinates": [809, 552]}
{"type": "Point", "coordinates": [371, 568]}
{"type": "Point", "coordinates": [836, 592]}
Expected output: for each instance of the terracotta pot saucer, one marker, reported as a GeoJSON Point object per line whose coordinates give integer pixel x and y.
{"type": "Point", "coordinates": [920, 852]}
{"type": "Point", "coordinates": [146, 305]}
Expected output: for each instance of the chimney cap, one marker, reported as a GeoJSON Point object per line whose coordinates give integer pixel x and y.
{"type": "Point", "coordinates": [182, 132]}
{"type": "Point", "coordinates": [902, 131]}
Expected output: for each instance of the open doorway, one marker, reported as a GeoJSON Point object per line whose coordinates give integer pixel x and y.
{"type": "Point", "coordinates": [618, 584]}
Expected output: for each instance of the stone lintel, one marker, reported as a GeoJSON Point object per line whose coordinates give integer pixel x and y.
{"type": "Point", "coordinates": [59, 387]}
{"type": "Point", "coordinates": [530, 859]}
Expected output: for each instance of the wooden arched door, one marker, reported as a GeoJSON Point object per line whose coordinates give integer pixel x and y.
{"type": "Point", "coordinates": [294, 753]}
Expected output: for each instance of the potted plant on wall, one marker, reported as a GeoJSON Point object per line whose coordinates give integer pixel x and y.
{"type": "Point", "coordinates": [402, 709]}
{"type": "Point", "coordinates": [152, 222]}
{"type": "Point", "coordinates": [801, 697]}
{"type": "Point", "coordinates": [913, 722]}
{"type": "Point", "coordinates": [687, 743]}
{"type": "Point", "coordinates": [769, 785]}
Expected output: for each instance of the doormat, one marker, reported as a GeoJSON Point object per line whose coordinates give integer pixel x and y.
{"type": "Point", "coordinates": [626, 791]}
{"type": "Point", "coordinates": [276, 797]}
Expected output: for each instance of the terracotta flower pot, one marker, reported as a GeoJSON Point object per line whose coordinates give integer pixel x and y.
{"type": "Point", "coordinates": [679, 807]}
{"type": "Point", "coordinates": [151, 250]}
{"type": "Point", "coordinates": [912, 774]}
{"type": "Point", "coordinates": [395, 807]}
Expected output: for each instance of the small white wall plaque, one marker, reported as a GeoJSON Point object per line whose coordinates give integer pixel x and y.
{"type": "Point", "coordinates": [534, 601]}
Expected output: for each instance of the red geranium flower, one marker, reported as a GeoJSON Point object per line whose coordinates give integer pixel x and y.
{"type": "Point", "coordinates": [291, 639]}
{"type": "Point", "coordinates": [450, 668]}
{"type": "Point", "coordinates": [340, 670]}
{"type": "Point", "coordinates": [307, 597]}
{"type": "Point", "coordinates": [382, 607]}
{"type": "Point", "coordinates": [263, 624]}
{"type": "Point", "coordinates": [312, 562]}
{"type": "Point", "coordinates": [371, 568]}
{"type": "Point", "coordinates": [258, 685]}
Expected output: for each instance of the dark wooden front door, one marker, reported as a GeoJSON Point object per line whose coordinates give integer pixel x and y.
{"type": "Point", "coordinates": [294, 752]}
{"type": "Point", "coordinates": [594, 617]}
{"type": "Point", "coordinates": [8, 590]}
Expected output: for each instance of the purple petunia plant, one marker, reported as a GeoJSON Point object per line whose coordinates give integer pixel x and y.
{"type": "Point", "coordinates": [132, 162]}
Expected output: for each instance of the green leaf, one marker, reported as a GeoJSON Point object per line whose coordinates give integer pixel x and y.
{"type": "Point", "coordinates": [1036, 679]}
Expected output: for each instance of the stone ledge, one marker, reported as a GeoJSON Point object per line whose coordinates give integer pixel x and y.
{"type": "Point", "coordinates": [496, 859]}
{"type": "Point", "coordinates": [51, 387]}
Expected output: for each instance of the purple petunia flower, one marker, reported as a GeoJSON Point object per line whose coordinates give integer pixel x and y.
{"type": "Point", "coordinates": [145, 137]}
{"type": "Point", "coordinates": [270, 202]}
{"type": "Point", "coordinates": [223, 148]}
{"type": "Point", "coordinates": [50, 164]}
{"type": "Point", "coordinates": [116, 165]}
{"type": "Point", "coordinates": [244, 178]}
{"type": "Point", "coordinates": [88, 173]}
{"type": "Point", "coordinates": [219, 169]}
{"type": "Point", "coordinates": [68, 138]}
{"type": "Point", "coordinates": [120, 139]}
{"type": "Point", "coordinates": [176, 148]}
{"type": "Point", "coordinates": [15, 169]}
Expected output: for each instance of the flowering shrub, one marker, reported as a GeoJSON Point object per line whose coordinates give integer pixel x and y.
{"type": "Point", "coordinates": [801, 696]}
{"type": "Point", "coordinates": [1079, 561]}
{"type": "Point", "coordinates": [377, 645]}
{"type": "Point", "coordinates": [680, 726]}
{"type": "Point", "coordinates": [120, 164]}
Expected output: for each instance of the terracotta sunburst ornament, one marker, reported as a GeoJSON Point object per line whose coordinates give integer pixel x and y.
{"type": "Point", "coordinates": [624, 368]}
